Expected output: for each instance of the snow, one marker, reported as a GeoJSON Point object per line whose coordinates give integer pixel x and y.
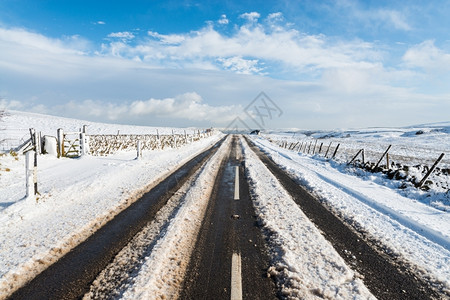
{"type": "Point", "coordinates": [77, 196]}
{"type": "Point", "coordinates": [417, 232]}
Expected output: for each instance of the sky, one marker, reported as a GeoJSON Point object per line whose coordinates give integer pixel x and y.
{"type": "Point", "coordinates": [256, 64]}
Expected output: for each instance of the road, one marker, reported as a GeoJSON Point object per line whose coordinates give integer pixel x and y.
{"type": "Point", "coordinates": [231, 256]}
{"type": "Point", "coordinates": [230, 260]}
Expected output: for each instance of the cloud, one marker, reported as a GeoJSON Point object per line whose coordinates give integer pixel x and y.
{"type": "Point", "coordinates": [240, 65]}
{"type": "Point", "coordinates": [134, 81]}
{"type": "Point", "coordinates": [187, 106]}
{"type": "Point", "coordinates": [427, 56]}
{"type": "Point", "coordinates": [245, 49]}
{"type": "Point", "coordinates": [18, 37]}
{"type": "Point", "coordinates": [275, 16]}
{"type": "Point", "coordinates": [374, 18]}
{"type": "Point", "coordinates": [171, 39]}
{"type": "Point", "coordinates": [223, 20]}
{"type": "Point", "coordinates": [251, 17]}
{"type": "Point", "coordinates": [393, 17]}
{"type": "Point", "coordinates": [125, 35]}
{"type": "Point", "coordinates": [10, 104]}
{"type": "Point", "coordinates": [100, 23]}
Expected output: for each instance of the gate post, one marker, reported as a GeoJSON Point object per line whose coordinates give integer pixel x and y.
{"type": "Point", "coordinates": [60, 140]}
{"type": "Point", "coordinates": [29, 173]}
{"type": "Point", "coordinates": [83, 144]}
{"type": "Point", "coordinates": [138, 149]}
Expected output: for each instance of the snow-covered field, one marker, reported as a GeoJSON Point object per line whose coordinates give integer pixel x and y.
{"type": "Point", "coordinates": [78, 196]}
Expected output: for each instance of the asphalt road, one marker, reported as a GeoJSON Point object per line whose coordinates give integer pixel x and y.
{"type": "Point", "coordinates": [230, 259]}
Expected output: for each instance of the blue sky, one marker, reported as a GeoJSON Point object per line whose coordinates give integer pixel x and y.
{"type": "Point", "coordinates": [326, 64]}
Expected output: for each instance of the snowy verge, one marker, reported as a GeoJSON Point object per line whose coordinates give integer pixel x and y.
{"type": "Point", "coordinates": [162, 274]}
{"type": "Point", "coordinates": [78, 196]}
{"type": "Point", "coordinates": [414, 232]}
{"type": "Point", "coordinates": [303, 261]}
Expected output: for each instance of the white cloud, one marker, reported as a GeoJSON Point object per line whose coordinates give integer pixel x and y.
{"type": "Point", "coordinates": [324, 72]}
{"type": "Point", "coordinates": [122, 35]}
{"type": "Point", "coordinates": [387, 18]}
{"type": "Point", "coordinates": [276, 44]}
{"type": "Point", "coordinates": [10, 104]}
{"type": "Point", "coordinates": [251, 17]}
{"type": "Point", "coordinates": [100, 23]}
{"type": "Point", "coordinates": [275, 16]}
{"type": "Point", "coordinates": [427, 56]}
{"type": "Point", "coordinates": [188, 106]}
{"type": "Point", "coordinates": [394, 18]}
{"type": "Point", "coordinates": [223, 20]}
{"type": "Point", "coordinates": [28, 40]}
{"type": "Point", "coordinates": [171, 39]}
{"type": "Point", "coordinates": [240, 65]}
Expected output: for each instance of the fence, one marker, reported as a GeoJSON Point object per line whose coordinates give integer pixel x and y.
{"type": "Point", "coordinates": [394, 160]}
{"type": "Point", "coordinates": [13, 139]}
{"type": "Point", "coordinates": [76, 144]}
{"type": "Point", "coordinates": [109, 144]}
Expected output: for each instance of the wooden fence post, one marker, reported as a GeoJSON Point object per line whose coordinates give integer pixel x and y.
{"type": "Point", "coordinates": [314, 149]}
{"type": "Point", "coordinates": [430, 171]}
{"type": "Point", "coordinates": [320, 148]}
{"type": "Point", "coordinates": [381, 158]}
{"type": "Point", "coordinates": [326, 153]}
{"type": "Point", "coordinates": [335, 151]}
{"type": "Point", "coordinates": [360, 151]}
{"type": "Point", "coordinates": [60, 140]}
{"type": "Point", "coordinates": [38, 143]}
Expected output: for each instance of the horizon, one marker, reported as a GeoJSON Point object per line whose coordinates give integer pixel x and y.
{"type": "Point", "coordinates": [283, 130]}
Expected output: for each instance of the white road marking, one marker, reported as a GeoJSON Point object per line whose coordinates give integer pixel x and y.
{"type": "Point", "coordinates": [236, 279]}
{"type": "Point", "coordinates": [236, 184]}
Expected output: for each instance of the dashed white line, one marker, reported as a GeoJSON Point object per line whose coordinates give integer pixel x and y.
{"type": "Point", "coordinates": [236, 184]}
{"type": "Point", "coordinates": [236, 279]}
